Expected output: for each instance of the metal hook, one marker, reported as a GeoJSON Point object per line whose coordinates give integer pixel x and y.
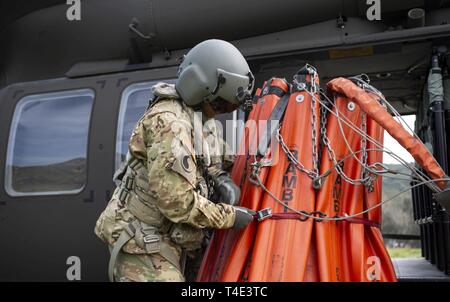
{"type": "Point", "coordinates": [384, 168]}
{"type": "Point", "coordinates": [133, 27]}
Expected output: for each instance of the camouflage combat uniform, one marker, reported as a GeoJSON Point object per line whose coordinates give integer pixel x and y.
{"type": "Point", "coordinates": [160, 207]}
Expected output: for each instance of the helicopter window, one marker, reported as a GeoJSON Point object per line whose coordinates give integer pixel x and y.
{"type": "Point", "coordinates": [47, 146]}
{"type": "Point", "coordinates": [135, 99]}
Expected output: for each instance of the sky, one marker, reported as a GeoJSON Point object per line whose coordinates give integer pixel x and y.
{"type": "Point", "coordinates": [395, 147]}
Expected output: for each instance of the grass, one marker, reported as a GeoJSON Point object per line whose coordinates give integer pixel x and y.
{"type": "Point", "coordinates": [405, 252]}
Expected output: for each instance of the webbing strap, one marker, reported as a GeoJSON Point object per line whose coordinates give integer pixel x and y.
{"type": "Point", "coordinates": [127, 234]}
{"type": "Point", "coordinates": [166, 251]}
{"type": "Point", "coordinates": [135, 164]}
{"type": "Point", "coordinates": [364, 221]}
{"type": "Point", "coordinates": [300, 78]}
{"type": "Point", "coordinates": [297, 216]}
{"type": "Point", "coordinates": [273, 90]}
{"type": "Point", "coordinates": [275, 117]}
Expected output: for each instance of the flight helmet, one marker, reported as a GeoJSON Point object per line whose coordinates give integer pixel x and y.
{"type": "Point", "coordinates": [215, 71]}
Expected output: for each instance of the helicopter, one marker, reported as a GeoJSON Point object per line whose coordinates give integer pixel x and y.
{"type": "Point", "coordinates": [75, 76]}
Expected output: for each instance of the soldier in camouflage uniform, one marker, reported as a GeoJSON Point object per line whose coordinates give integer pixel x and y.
{"type": "Point", "coordinates": [160, 209]}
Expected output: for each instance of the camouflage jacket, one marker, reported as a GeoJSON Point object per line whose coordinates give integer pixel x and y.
{"type": "Point", "coordinates": [164, 140]}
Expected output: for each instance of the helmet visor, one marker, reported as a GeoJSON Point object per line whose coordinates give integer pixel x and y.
{"type": "Point", "coordinates": [234, 88]}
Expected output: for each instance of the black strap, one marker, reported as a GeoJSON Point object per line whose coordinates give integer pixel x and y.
{"type": "Point", "coordinates": [300, 78]}
{"type": "Point", "coordinates": [273, 90]}
{"type": "Point", "coordinates": [275, 117]}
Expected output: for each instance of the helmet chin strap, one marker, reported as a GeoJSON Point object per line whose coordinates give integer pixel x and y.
{"type": "Point", "coordinates": [245, 99]}
{"type": "Point", "coordinates": [220, 105]}
{"type": "Point", "coordinates": [208, 110]}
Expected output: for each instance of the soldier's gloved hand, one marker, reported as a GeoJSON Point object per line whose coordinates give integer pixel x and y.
{"type": "Point", "coordinates": [229, 193]}
{"type": "Point", "coordinates": [243, 217]}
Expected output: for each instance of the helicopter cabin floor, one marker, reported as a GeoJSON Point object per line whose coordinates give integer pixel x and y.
{"type": "Point", "coordinates": [418, 269]}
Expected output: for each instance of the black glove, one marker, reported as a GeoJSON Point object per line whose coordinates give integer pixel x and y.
{"type": "Point", "coordinates": [243, 217]}
{"type": "Point", "coordinates": [228, 192]}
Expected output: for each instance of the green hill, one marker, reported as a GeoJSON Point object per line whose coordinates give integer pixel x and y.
{"type": "Point", "coordinates": [65, 176]}
{"type": "Point", "coordinates": [398, 213]}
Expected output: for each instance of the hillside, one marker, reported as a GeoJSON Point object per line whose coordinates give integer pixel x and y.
{"type": "Point", "coordinates": [65, 176]}
{"type": "Point", "coordinates": [398, 213]}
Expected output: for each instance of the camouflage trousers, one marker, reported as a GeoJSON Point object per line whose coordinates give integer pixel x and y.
{"type": "Point", "coordinates": [145, 268]}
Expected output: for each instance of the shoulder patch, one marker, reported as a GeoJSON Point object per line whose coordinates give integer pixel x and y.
{"type": "Point", "coordinates": [184, 165]}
